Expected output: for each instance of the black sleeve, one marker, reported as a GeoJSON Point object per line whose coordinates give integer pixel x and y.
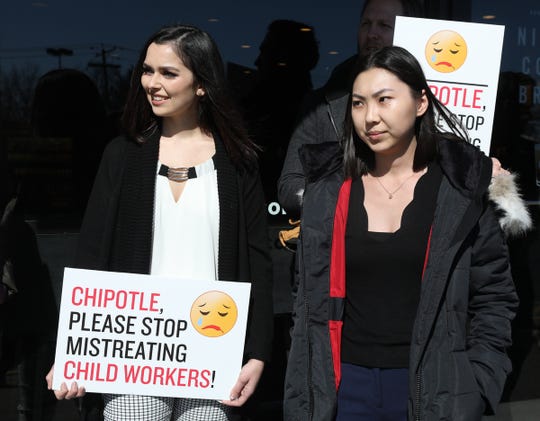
{"type": "Point", "coordinates": [260, 327]}
{"type": "Point", "coordinates": [95, 236]}
{"type": "Point", "coordinates": [291, 183]}
{"type": "Point", "coordinates": [492, 306]}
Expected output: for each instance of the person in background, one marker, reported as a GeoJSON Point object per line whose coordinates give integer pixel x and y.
{"type": "Point", "coordinates": [287, 54]}
{"type": "Point", "coordinates": [179, 195]}
{"type": "Point", "coordinates": [28, 314]}
{"type": "Point", "coordinates": [405, 295]}
{"type": "Point", "coordinates": [324, 112]}
{"type": "Point", "coordinates": [82, 121]}
{"type": "Point", "coordinates": [286, 57]}
{"type": "Point", "coordinates": [375, 30]}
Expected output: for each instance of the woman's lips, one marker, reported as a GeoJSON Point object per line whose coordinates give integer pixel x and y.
{"type": "Point", "coordinates": [157, 100]}
{"type": "Point", "coordinates": [374, 135]}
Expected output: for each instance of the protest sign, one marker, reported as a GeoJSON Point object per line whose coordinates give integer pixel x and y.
{"type": "Point", "coordinates": [461, 61]}
{"type": "Point", "coordinates": [150, 335]}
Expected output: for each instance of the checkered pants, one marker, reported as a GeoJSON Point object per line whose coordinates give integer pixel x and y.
{"type": "Point", "coordinates": [152, 408]}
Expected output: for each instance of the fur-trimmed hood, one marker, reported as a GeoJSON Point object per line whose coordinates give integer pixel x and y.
{"type": "Point", "coordinates": [471, 172]}
{"type": "Point", "coordinates": [514, 216]}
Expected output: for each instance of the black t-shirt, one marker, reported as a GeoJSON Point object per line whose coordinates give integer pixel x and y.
{"type": "Point", "coordinates": [383, 273]}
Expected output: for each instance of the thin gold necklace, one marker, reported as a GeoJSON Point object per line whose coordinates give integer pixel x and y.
{"type": "Point", "coordinates": [391, 193]}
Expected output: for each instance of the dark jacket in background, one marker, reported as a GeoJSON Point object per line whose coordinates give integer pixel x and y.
{"type": "Point", "coordinates": [28, 313]}
{"type": "Point", "coordinates": [322, 121]}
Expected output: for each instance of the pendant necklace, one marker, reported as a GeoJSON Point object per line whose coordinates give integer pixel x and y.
{"type": "Point", "coordinates": [391, 193]}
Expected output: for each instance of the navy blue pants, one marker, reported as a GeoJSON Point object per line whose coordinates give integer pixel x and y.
{"type": "Point", "coordinates": [372, 394]}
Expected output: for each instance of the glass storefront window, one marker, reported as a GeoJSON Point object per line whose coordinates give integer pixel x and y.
{"type": "Point", "coordinates": [516, 139]}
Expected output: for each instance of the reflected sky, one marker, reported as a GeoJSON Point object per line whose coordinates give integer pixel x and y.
{"type": "Point", "coordinates": [521, 47]}
{"type": "Point", "coordinates": [27, 28]}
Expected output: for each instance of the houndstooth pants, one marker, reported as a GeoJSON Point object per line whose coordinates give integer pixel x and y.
{"type": "Point", "coordinates": [153, 408]}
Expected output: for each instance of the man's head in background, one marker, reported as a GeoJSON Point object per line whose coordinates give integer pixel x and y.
{"type": "Point", "coordinates": [377, 22]}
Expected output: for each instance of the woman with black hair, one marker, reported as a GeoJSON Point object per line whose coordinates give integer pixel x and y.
{"type": "Point", "coordinates": [180, 195]}
{"type": "Point", "coordinates": [404, 292]}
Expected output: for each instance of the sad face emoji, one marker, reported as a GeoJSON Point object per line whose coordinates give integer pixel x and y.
{"type": "Point", "coordinates": [446, 51]}
{"type": "Point", "coordinates": [214, 313]}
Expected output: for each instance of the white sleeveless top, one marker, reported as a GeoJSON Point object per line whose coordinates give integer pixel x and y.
{"type": "Point", "coordinates": [186, 232]}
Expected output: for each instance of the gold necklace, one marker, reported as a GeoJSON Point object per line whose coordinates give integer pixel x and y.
{"type": "Point", "coordinates": [391, 193]}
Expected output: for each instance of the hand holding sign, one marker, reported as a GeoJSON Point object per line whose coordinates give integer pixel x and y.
{"type": "Point", "coordinates": [64, 393]}
{"type": "Point", "coordinates": [246, 384]}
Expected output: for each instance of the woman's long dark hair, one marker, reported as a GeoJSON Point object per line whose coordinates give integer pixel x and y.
{"type": "Point", "coordinates": [358, 157]}
{"type": "Point", "coordinates": [218, 113]}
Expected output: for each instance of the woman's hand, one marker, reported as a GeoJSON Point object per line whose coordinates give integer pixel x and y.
{"type": "Point", "coordinates": [497, 168]}
{"type": "Point", "coordinates": [64, 393]}
{"type": "Point", "coordinates": [246, 384]}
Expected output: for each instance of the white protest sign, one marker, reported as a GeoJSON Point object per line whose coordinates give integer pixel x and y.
{"type": "Point", "coordinates": [461, 61]}
{"type": "Point", "coordinates": [148, 335]}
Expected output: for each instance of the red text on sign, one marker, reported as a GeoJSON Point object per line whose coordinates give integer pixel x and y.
{"type": "Point", "coordinates": [457, 96]}
{"type": "Point", "coordinates": [120, 299]}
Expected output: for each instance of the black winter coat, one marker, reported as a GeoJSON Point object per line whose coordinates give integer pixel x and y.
{"type": "Point", "coordinates": [458, 363]}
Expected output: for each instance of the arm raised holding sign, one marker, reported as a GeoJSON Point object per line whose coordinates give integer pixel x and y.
{"type": "Point", "coordinates": [180, 196]}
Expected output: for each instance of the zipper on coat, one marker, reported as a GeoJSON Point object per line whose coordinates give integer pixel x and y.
{"type": "Point", "coordinates": [418, 393]}
{"type": "Point", "coordinates": [333, 122]}
{"type": "Point", "coordinates": [309, 368]}
{"type": "Point", "coordinates": [308, 338]}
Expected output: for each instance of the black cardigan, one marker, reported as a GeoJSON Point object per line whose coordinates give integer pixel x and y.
{"type": "Point", "coordinates": [117, 230]}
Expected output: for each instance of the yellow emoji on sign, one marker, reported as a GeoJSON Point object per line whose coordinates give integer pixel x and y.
{"type": "Point", "coordinates": [214, 313]}
{"type": "Point", "coordinates": [446, 51]}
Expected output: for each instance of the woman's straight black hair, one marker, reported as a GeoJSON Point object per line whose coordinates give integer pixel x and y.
{"type": "Point", "coordinates": [358, 157]}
